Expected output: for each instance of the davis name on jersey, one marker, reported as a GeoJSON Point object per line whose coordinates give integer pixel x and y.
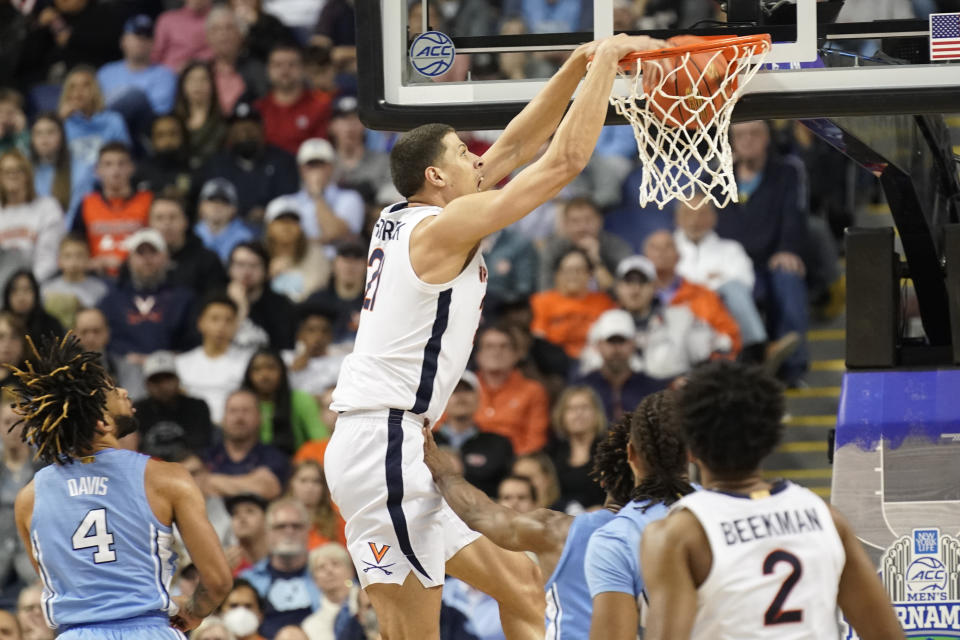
{"type": "Point", "coordinates": [87, 486]}
{"type": "Point", "coordinates": [414, 337]}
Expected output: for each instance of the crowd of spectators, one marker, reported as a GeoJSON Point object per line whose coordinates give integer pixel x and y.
{"type": "Point", "coordinates": [191, 191]}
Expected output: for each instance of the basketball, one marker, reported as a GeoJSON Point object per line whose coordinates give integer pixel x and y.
{"type": "Point", "coordinates": [687, 90]}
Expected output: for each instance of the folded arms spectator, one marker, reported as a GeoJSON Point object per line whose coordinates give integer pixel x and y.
{"type": "Point", "coordinates": [241, 463]}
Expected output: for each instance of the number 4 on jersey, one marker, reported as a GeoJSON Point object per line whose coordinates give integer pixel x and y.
{"type": "Point", "coordinates": [92, 532]}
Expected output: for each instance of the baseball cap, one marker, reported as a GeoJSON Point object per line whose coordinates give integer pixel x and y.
{"type": "Point", "coordinates": [245, 111]}
{"type": "Point", "coordinates": [219, 189]}
{"type": "Point", "coordinates": [470, 378]}
{"type": "Point", "coordinates": [282, 206]}
{"type": "Point", "coordinates": [166, 440]}
{"type": "Point", "coordinates": [614, 323]}
{"type": "Point", "coordinates": [315, 149]}
{"type": "Point", "coordinates": [231, 502]}
{"type": "Point", "coordinates": [159, 362]}
{"type": "Point", "coordinates": [148, 236]}
{"type": "Point", "coordinates": [141, 25]}
{"type": "Point", "coordinates": [352, 247]}
{"type": "Point", "coordinates": [637, 263]}
{"type": "Point", "coordinates": [344, 106]}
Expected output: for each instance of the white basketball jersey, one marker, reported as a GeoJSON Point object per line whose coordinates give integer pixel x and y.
{"type": "Point", "coordinates": [414, 338]}
{"type": "Point", "coordinates": [776, 566]}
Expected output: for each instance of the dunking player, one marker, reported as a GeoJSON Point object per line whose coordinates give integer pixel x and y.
{"type": "Point", "coordinates": [636, 461]}
{"type": "Point", "coordinates": [748, 559]}
{"type": "Point", "coordinates": [97, 520]}
{"type": "Point", "coordinates": [425, 287]}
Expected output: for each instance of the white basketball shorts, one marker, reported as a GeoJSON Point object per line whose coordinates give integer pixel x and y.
{"type": "Point", "coordinates": [397, 521]}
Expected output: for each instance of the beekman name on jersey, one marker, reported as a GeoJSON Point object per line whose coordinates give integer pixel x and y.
{"type": "Point", "coordinates": [770, 525]}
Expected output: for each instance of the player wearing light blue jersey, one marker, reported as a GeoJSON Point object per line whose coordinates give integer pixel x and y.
{"type": "Point", "coordinates": [559, 540]}
{"type": "Point", "coordinates": [658, 460]}
{"type": "Point", "coordinates": [97, 520]}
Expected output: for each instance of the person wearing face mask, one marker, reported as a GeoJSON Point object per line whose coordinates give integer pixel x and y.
{"type": "Point", "coordinates": [166, 164]}
{"type": "Point", "coordinates": [260, 171]}
{"type": "Point", "coordinates": [242, 611]}
{"type": "Point", "coordinates": [283, 577]}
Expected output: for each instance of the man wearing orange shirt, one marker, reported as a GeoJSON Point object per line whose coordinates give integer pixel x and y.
{"type": "Point", "coordinates": [673, 290]}
{"type": "Point", "coordinates": [510, 404]}
{"type": "Point", "coordinates": [114, 211]}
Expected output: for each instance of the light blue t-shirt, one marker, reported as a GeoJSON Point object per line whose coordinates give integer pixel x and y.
{"type": "Point", "coordinates": [157, 82]}
{"type": "Point", "coordinates": [85, 136]}
{"type": "Point", "coordinates": [223, 243]}
{"type": "Point", "coordinates": [103, 555]}
{"type": "Point", "coordinates": [569, 605]}
{"type": "Point", "coordinates": [613, 554]}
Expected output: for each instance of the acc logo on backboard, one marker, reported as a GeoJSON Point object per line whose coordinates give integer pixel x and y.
{"type": "Point", "coordinates": [432, 53]}
{"type": "Point", "coordinates": [922, 575]}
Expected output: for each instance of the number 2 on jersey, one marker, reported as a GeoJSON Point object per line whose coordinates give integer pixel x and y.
{"type": "Point", "coordinates": [370, 294]}
{"type": "Point", "coordinates": [775, 613]}
{"type": "Point", "coordinates": [92, 532]}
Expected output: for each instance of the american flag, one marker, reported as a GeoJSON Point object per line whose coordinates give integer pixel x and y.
{"type": "Point", "coordinates": [945, 36]}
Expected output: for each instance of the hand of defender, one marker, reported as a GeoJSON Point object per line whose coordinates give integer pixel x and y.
{"type": "Point", "coordinates": [437, 461]}
{"type": "Point", "coordinates": [183, 620]}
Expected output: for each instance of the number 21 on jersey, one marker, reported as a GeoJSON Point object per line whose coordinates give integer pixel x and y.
{"type": "Point", "coordinates": [373, 285]}
{"type": "Point", "coordinates": [93, 533]}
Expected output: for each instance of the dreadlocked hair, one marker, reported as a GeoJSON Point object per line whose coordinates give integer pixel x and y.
{"type": "Point", "coordinates": [60, 396]}
{"type": "Point", "coordinates": [611, 470]}
{"type": "Point", "coordinates": [654, 434]}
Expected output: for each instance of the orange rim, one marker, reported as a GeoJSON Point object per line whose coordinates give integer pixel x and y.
{"type": "Point", "coordinates": [712, 43]}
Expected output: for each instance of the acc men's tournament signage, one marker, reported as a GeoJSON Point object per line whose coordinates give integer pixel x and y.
{"type": "Point", "coordinates": [922, 575]}
{"type": "Point", "coordinates": [432, 53]}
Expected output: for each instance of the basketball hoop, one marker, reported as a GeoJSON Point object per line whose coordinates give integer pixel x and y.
{"type": "Point", "coordinates": [680, 104]}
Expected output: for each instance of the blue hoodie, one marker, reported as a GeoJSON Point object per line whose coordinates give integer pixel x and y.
{"type": "Point", "coordinates": [144, 321]}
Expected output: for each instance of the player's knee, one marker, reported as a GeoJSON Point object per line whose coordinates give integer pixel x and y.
{"type": "Point", "coordinates": [526, 592]}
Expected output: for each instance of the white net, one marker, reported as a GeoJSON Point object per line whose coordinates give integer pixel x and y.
{"type": "Point", "coordinates": [680, 108]}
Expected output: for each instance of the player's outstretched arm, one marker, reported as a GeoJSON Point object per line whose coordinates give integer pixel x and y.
{"type": "Point", "coordinates": [533, 126]}
{"type": "Point", "coordinates": [468, 219]}
{"type": "Point", "coordinates": [539, 531]}
{"type": "Point", "coordinates": [861, 596]}
{"type": "Point", "coordinates": [188, 511]}
{"type": "Point", "coordinates": [22, 513]}
{"type": "Point", "coordinates": [668, 576]}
